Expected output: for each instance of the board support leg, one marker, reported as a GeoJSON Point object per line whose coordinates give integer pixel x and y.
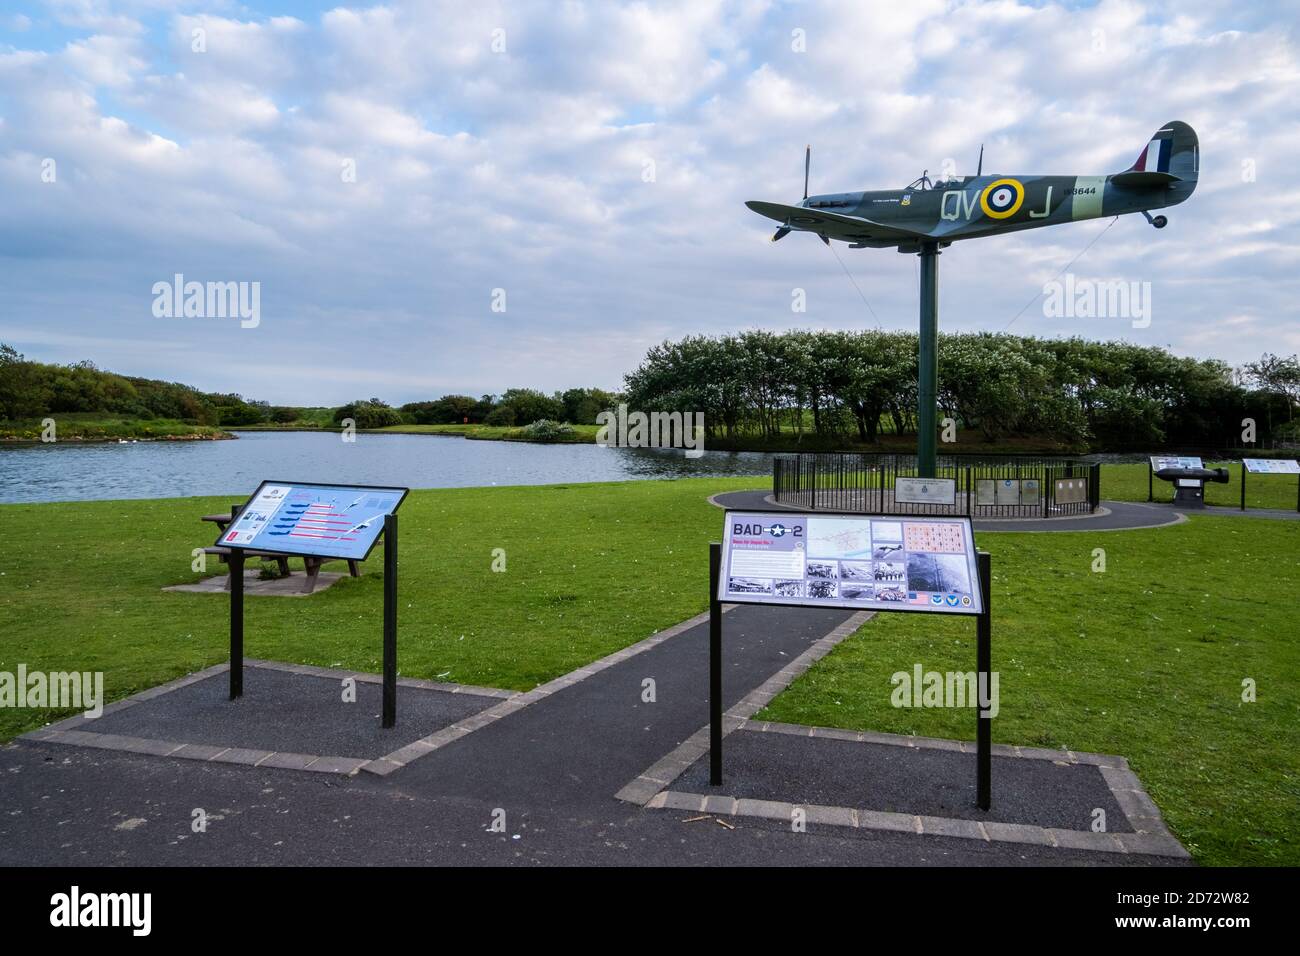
{"type": "Point", "coordinates": [236, 562]}
{"type": "Point", "coordinates": [390, 620]}
{"type": "Point", "coordinates": [715, 667]}
{"type": "Point", "coordinates": [983, 666]}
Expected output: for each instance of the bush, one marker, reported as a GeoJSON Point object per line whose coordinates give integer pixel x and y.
{"type": "Point", "coordinates": [530, 405]}
{"type": "Point", "coordinates": [501, 415]}
{"type": "Point", "coordinates": [448, 410]}
{"type": "Point", "coordinates": [369, 414]}
{"type": "Point", "coordinates": [546, 430]}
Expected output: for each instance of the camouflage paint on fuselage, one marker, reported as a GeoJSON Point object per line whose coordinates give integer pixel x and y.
{"type": "Point", "coordinates": [972, 206]}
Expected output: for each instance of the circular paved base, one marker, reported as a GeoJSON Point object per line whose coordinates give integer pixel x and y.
{"type": "Point", "coordinates": [1112, 516]}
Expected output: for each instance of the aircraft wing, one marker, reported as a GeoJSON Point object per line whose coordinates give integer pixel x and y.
{"type": "Point", "coordinates": [834, 224]}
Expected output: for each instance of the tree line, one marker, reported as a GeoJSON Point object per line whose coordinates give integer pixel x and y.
{"type": "Point", "coordinates": [767, 388]}
{"type": "Point", "coordinates": [828, 386]}
{"type": "Point", "coordinates": [514, 407]}
{"type": "Point", "coordinates": [34, 389]}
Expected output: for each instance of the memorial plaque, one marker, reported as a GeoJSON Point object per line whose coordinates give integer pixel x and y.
{"type": "Point", "coordinates": [324, 521]}
{"type": "Point", "coordinates": [876, 562]}
{"type": "Point", "coordinates": [1070, 491]}
{"type": "Point", "coordinates": [1006, 491]}
{"type": "Point", "coordinates": [1271, 466]}
{"type": "Point", "coordinates": [925, 491]}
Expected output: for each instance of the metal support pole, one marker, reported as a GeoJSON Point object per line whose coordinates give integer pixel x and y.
{"type": "Point", "coordinates": [983, 665]}
{"type": "Point", "coordinates": [1243, 484]}
{"type": "Point", "coordinates": [236, 563]}
{"type": "Point", "coordinates": [927, 368]}
{"type": "Point", "coordinates": [715, 666]}
{"type": "Point", "coordinates": [390, 620]}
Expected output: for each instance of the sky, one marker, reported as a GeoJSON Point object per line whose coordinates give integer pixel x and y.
{"type": "Point", "coordinates": [447, 197]}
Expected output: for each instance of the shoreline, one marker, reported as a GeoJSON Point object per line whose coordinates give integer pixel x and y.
{"type": "Point", "coordinates": [586, 435]}
{"type": "Point", "coordinates": [7, 440]}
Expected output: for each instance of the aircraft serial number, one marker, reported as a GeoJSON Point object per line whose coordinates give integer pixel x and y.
{"type": "Point", "coordinates": [1081, 191]}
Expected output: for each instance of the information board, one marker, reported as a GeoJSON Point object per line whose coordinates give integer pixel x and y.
{"type": "Point", "coordinates": [302, 518]}
{"type": "Point", "coordinates": [1159, 463]}
{"type": "Point", "coordinates": [1271, 466]}
{"type": "Point", "coordinates": [925, 491]}
{"type": "Point", "coordinates": [884, 563]}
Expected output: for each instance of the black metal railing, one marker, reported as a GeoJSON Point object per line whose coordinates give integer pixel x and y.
{"type": "Point", "coordinates": [988, 486]}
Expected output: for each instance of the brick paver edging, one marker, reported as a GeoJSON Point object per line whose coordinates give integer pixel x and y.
{"type": "Point", "coordinates": [1149, 836]}
{"type": "Point", "coordinates": [73, 730]}
{"type": "Point", "coordinates": [651, 788]}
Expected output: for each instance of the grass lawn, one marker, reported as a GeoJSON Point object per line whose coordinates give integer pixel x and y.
{"type": "Point", "coordinates": [1128, 482]}
{"type": "Point", "coordinates": [1146, 660]}
{"type": "Point", "coordinates": [589, 569]}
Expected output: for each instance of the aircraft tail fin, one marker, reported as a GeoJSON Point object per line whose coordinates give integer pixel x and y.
{"type": "Point", "coordinates": [1172, 154]}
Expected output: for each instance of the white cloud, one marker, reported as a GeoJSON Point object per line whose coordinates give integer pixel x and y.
{"type": "Point", "coordinates": [524, 169]}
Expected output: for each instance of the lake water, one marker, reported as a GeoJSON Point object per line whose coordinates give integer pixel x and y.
{"type": "Point", "coordinates": [77, 472]}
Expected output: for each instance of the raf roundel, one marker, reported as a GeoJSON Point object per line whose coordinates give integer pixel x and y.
{"type": "Point", "coordinates": [1002, 198]}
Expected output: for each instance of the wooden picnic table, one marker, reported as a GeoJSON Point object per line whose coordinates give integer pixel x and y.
{"type": "Point", "coordinates": [311, 565]}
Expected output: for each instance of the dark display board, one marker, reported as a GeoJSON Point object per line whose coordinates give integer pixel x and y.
{"type": "Point", "coordinates": [865, 562]}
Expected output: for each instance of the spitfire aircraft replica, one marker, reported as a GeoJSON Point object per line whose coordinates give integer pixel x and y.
{"type": "Point", "coordinates": [926, 217]}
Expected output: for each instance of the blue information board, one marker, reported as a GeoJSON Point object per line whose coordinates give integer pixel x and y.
{"type": "Point", "coordinates": [301, 518]}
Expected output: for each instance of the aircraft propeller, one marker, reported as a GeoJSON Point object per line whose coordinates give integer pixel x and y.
{"type": "Point", "coordinates": [784, 231]}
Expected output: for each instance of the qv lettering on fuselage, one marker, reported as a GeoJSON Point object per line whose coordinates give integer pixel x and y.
{"type": "Point", "coordinates": [961, 204]}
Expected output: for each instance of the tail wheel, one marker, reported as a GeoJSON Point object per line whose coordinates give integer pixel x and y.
{"type": "Point", "coordinates": [1160, 222]}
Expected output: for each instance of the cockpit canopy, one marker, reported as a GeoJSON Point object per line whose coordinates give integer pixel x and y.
{"type": "Point", "coordinates": [924, 182]}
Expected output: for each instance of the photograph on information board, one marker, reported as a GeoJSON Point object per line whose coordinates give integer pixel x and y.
{"type": "Point", "coordinates": [892, 563]}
